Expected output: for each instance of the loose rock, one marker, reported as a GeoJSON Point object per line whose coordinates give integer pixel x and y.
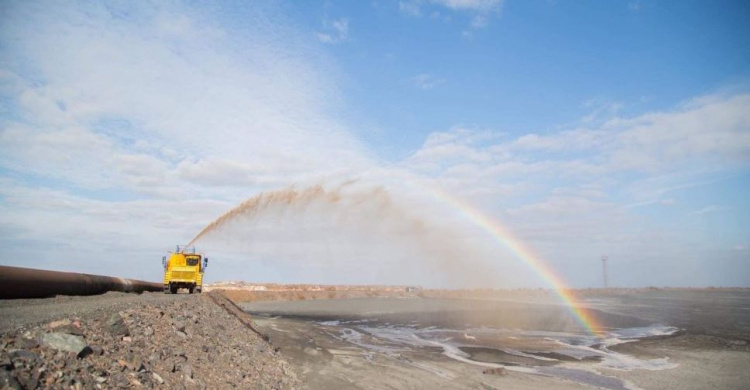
{"type": "Point", "coordinates": [64, 342]}
{"type": "Point", "coordinates": [5, 364]}
{"type": "Point", "coordinates": [187, 370]}
{"type": "Point", "coordinates": [116, 325]}
{"type": "Point", "coordinates": [179, 325]}
{"type": "Point", "coordinates": [495, 371]}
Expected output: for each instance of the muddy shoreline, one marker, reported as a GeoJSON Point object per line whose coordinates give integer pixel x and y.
{"type": "Point", "coordinates": [369, 343]}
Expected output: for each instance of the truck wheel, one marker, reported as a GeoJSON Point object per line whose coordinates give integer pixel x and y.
{"type": "Point", "coordinates": [191, 289]}
{"type": "Point", "coordinates": [199, 290]}
{"type": "Point", "coordinates": [173, 289]}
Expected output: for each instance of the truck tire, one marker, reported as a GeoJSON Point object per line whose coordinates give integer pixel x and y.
{"type": "Point", "coordinates": [173, 289]}
{"type": "Point", "coordinates": [190, 290]}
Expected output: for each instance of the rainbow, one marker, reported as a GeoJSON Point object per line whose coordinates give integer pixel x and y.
{"type": "Point", "coordinates": [502, 235]}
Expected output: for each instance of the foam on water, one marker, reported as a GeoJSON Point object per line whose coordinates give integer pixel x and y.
{"type": "Point", "coordinates": [394, 339]}
{"type": "Point", "coordinates": [528, 355]}
{"type": "Point", "coordinates": [625, 362]}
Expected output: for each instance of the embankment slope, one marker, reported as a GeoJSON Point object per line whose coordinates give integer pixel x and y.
{"type": "Point", "coordinates": [127, 341]}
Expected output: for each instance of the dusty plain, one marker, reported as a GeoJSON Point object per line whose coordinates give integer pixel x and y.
{"type": "Point", "coordinates": [709, 348]}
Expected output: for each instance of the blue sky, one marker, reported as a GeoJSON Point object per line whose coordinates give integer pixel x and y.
{"type": "Point", "coordinates": [586, 127]}
{"type": "Point", "coordinates": [533, 67]}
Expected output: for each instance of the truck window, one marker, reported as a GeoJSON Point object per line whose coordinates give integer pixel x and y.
{"type": "Point", "coordinates": [193, 260]}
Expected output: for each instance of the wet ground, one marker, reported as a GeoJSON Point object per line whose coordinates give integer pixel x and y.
{"type": "Point", "coordinates": [433, 343]}
{"type": "Point", "coordinates": [720, 313]}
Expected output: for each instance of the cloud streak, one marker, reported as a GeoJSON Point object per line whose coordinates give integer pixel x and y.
{"type": "Point", "coordinates": [426, 81]}
{"type": "Point", "coordinates": [479, 11]}
{"type": "Point", "coordinates": [335, 31]}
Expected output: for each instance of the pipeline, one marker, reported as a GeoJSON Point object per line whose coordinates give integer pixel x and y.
{"type": "Point", "coordinates": [17, 282]}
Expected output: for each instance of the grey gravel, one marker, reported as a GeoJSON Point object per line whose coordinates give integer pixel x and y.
{"type": "Point", "coordinates": [16, 313]}
{"type": "Point", "coordinates": [215, 349]}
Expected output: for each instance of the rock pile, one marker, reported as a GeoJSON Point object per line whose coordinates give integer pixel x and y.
{"type": "Point", "coordinates": [186, 343]}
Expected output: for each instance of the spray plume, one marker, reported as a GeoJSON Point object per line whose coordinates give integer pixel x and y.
{"type": "Point", "coordinates": [257, 204]}
{"type": "Point", "coordinates": [390, 229]}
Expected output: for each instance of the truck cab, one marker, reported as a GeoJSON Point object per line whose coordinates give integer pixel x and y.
{"type": "Point", "coordinates": [184, 268]}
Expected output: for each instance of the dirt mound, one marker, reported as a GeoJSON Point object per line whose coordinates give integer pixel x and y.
{"type": "Point", "coordinates": [184, 343]}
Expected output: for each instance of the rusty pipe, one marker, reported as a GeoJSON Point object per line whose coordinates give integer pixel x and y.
{"type": "Point", "coordinates": [17, 282]}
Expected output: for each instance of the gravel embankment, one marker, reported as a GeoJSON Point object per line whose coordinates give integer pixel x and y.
{"type": "Point", "coordinates": [15, 313]}
{"type": "Point", "coordinates": [126, 341]}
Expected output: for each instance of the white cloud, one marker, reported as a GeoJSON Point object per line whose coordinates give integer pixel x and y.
{"type": "Point", "coordinates": [426, 81]}
{"type": "Point", "coordinates": [180, 88]}
{"type": "Point", "coordinates": [479, 11]}
{"type": "Point", "coordinates": [133, 129]}
{"type": "Point", "coordinates": [601, 110]}
{"type": "Point", "coordinates": [410, 8]}
{"type": "Point", "coordinates": [479, 21]}
{"type": "Point", "coordinates": [713, 130]}
{"type": "Point", "coordinates": [55, 230]}
{"type": "Point", "coordinates": [708, 209]}
{"type": "Point", "coordinates": [334, 31]}
{"type": "Point", "coordinates": [470, 5]}
{"type": "Point", "coordinates": [706, 132]}
{"type": "Point", "coordinates": [578, 139]}
{"type": "Point", "coordinates": [609, 169]}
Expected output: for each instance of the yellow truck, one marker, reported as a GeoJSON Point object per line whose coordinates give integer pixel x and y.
{"type": "Point", "coordinates": [184, 268]}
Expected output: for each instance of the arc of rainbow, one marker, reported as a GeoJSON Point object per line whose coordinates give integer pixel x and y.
{"type": "Point", "coordinates": [525, 254]}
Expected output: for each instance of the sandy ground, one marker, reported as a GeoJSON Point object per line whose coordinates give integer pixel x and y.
{"type": "Point", "coordinates": [702, 363]}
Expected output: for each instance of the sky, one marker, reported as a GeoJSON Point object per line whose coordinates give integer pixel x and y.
{"type": "Point", "coordinates": [584, 128]}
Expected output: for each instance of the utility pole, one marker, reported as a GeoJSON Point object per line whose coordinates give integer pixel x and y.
{"type": "Point", "coordinates": [604, 270]}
